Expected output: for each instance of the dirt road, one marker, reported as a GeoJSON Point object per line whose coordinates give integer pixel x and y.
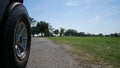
{"type": "Point", "coordinates": [45, 54]}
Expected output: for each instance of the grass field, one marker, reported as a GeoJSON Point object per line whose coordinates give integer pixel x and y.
{"type": "Point", "coordinates": [105, 48]}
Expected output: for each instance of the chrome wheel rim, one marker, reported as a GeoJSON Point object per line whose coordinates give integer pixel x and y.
{"type": "Point", "coordinates": [21, 40]}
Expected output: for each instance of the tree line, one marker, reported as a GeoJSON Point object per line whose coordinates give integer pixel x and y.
{"type": "Point", "coordinates": [44, 29]}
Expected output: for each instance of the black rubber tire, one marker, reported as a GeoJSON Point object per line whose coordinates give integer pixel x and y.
{"type": "Point", "coordinates": [10, 60]}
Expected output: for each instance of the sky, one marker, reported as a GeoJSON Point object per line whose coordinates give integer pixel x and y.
{"type": "Point", "coordinates": [90, 16]}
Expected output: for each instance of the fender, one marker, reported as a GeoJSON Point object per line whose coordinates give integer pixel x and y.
{"type": "Point", "coordinates": [12, 6]}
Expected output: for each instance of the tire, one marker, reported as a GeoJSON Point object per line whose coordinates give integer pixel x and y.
{"type": "Point", "coordinates": [16, 39]}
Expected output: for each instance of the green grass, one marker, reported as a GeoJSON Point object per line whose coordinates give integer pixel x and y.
{"type": "Point", "coordinates": [105, 48]}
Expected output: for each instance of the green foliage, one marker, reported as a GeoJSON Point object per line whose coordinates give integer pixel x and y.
{"type": "Point", "coordinates": [32, 21]}
{"type": "Point", "coordinates": [43, 27]}
{"type": "Point", "coordinates": [81, 34]}
{"type": "Point", "coordinates": [46, 29]}
{"type": "Point", "coordinates": [34, 30]}
{"type": "Point", "coordinates": [71, 32]}
{"type": "Point", "coordinates": [106, 48]}
{"type": "Point", "coordinates": [62, 30]}
{"type": "Point", "coordinates": [56, 31]}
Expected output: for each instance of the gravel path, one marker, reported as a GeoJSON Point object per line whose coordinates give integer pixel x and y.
{"type": "Point", "coordinates": [45, 54]}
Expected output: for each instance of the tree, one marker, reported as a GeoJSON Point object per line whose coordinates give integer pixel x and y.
{"type": "Point", "coordinates": [34, 30]}
{"type": "Point", "coordinates": [62, 32]}
{"type": "Point", "coordinates": [51, 30]}
{"type": "Point", "coordinates": [87, 34]}
{"type": "Point", "coordinates": [81, 34]}
{"type": "Point", "coordinates": [43, 28]}
{"type": "Point", "coordinates": [32, 21]}
{"type": "Point", "coordinates": [101, 35]}
{"type": "Point", "coordinates": [56, 31]}
{"type": "Point", "coordinates": [114, 35]}
{"type": "Point", "coordinates": [71, 32]}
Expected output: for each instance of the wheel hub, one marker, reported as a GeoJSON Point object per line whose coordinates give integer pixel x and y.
{"type": "Point", "coordinates": [21, 41]}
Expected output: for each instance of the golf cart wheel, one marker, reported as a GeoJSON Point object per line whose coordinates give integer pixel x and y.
{"type": "Point", "coordinates": [17, 38]}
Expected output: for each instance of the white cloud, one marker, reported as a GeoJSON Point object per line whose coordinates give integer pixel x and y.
{"type": "Point", "coordinates": [72, 3]}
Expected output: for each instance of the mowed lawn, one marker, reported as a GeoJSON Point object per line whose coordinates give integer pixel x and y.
{"type": "Point", "coordinates": [98, 48]}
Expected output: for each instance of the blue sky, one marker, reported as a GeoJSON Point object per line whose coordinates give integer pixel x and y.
{"type": "Point", "coordinates": [90, 16]}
